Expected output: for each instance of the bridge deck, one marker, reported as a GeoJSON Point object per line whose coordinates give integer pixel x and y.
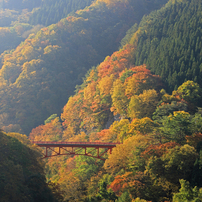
{"type": "Point", "coordinates": [74, 144]}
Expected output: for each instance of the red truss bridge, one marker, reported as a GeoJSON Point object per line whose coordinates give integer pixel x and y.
{"type": "Point", "coordinates": [76, 148]}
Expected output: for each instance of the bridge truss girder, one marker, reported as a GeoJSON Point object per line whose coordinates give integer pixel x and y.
{"type": "Point", "coordinates": [85, 149]}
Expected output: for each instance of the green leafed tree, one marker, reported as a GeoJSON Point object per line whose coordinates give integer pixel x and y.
{"type": "Point", "coordinates": [187, 193]}
{"type": "Point", "coordinates": [48, 120]}
{"type": "Point", "coordinates": [175, 127]}
{"type": "Point", "coordinates": [124, 197]}
{"type": "Point", "coordinates": [105, 193]}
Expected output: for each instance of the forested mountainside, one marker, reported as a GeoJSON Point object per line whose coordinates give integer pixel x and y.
{"type": "Point", "coordinates": [16, 11]}
{"type": "Point", "coordinates": [169, 42]}
{"type": "Point", "coordinates": [17, 20]}
{"type": "Point", "coordinates": [52, 11]}
{"type": "Point", "coordinates": [129, 97]}
{"type": "Point", "coordinates": [19, 4]}
{"type": "Point", "coordinates": [44, 12]}
{"type": "Point", "coordinates": [160, 132]}
{"type": "Point", "coordinates": [119, 101]}
{"type": "Point", "coordinates": [22, 176]}
{"type": "Point", "coordinates": [41, 73]}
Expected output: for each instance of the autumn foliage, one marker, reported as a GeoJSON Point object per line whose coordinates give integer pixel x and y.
{"type": "Point", "coordinates": [119, 102]}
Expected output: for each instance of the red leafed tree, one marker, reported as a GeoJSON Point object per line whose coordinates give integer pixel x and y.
{"type": "Point", "coordinates": [158, 150]}
{"type": "Point", "coordinates": [135, 184]}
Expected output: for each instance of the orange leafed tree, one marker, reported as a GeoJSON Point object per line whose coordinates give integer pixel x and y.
{"type": "Point", "coordinates": [194, 139]}
{"type": "Point", "coordinates": [49, 132]}
{"type": "Point", "coordinates": [71, 115]}
{"type": "Point", "coordinates": [141, 80]}
{"type": "Point", "coordinates": [116, 63]}
{"type": "Point", "coordinates": [122, 154]}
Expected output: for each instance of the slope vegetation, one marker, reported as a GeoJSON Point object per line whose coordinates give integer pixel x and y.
{"type": "Point", "coordinates": [22, 174]}
{"type": "Point", "coordinates": [37, 77]}
{"type": "Point", "coordinates": [120, 102]}
{"type": "Point", "coordinates": [169, 43]}
{"type": "Point", "coordinates": [53, 11]}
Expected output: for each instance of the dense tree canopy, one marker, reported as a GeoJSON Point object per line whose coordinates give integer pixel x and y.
{"type": "Point", "coordinates": [121, 100]}
{"type": "Point", "coordinates": [22, 176]}
{"type": "Point", "coordinates": [169, 42]}
{"type": "Point", "coordinates": [41, 73]}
